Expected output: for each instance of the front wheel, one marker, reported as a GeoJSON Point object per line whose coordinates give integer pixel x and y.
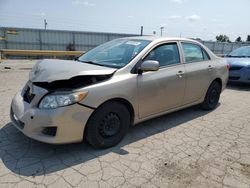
{"type": "Point", "coordinates": [108, 125]}
{"type": "Point", "coordinates": [212, 96]}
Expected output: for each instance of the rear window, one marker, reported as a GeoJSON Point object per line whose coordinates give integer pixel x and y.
{"type": "Point", "coordinates": [194, 53]}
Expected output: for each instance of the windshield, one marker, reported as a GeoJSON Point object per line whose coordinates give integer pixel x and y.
{"type": "Point", "coordinates": [116, 53]}
{"type": "Point", "coordinates": [240, 52]}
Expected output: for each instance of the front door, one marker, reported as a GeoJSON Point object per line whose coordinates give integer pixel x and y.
{"type": "Point", "coordinates": [164, 89]}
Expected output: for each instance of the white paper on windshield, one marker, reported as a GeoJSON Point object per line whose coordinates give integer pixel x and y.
{"type": "Point", "coordinates": [135, 43]}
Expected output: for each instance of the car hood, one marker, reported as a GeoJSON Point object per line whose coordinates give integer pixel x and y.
{"type": "Point", "coordinates": [49, 70]}
{"type": "Point", "coordinates": [238, 61]}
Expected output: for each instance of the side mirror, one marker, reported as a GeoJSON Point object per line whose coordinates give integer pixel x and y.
{"type": "Point", "coordinates": [149, 65]}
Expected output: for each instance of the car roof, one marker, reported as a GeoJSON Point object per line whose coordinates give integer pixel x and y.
{"type": "Point", "coordinates": [156, 40]}
{"type": "Point", "coordinates": [159, 39]}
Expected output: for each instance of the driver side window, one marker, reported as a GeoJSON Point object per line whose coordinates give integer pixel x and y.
{"type": "Point", "coordinates": [166, 54]}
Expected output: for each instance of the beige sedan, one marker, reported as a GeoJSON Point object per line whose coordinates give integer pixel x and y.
{"type": "Point", "coordinates": [118, 84]}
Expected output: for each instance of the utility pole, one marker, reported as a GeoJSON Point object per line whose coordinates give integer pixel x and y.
{"type": "Point", "coordinates": [141, 30]}
{"type": "Point", "coordinates": [161, 28]}
{"type": "Point", "coordinates": [45, 24]}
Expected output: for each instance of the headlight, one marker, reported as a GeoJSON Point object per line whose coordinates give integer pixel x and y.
{"type": "Point", "coordinates": [56, 100]}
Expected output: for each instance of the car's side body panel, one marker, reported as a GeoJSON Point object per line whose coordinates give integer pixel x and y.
{"type": "Point", "coordinates": [164, 87]}
{"type": "Point", "coordinates": [198, 76]}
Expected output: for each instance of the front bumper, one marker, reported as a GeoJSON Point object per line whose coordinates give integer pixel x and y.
{"type": "Point", "coordinates": [241, 76]}
{"type": "Point", "coordinates": [68, 122]}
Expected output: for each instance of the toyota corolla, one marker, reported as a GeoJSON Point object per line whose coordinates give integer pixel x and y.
{"type": "Point", "coordinates": [115, 85]}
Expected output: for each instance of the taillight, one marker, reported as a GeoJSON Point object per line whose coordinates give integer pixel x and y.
{"type": "Point", "coordinates": [228, 66]}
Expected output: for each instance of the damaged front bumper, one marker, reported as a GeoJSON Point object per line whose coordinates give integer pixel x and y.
{"type": "Point", "coordinates": [56, 126]}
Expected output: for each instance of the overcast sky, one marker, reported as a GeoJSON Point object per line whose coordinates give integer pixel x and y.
{"type": "Point", "coordinates": [186, 18]}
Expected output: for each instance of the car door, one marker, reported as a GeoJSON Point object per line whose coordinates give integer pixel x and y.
{"type": "Point", "coordinates": [162, 90]}
{"type": "Point", "coordinates": [199, 71]}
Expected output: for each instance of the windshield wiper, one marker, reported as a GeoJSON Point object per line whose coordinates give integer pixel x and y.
{"type": "Point", "coordinates": [103, 65]}
{"type": "Point", "coordinates": [244, 56]}
{"type": "Point", "coordinates": [230, 56]}
{"type": "Point", "coordinates": [91, 62]}
{"type": "Point", "coordinates": [240, 56]}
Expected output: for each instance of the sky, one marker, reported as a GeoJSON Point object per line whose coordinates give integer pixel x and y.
{"type": "Point", "coordinates": [186, 18]}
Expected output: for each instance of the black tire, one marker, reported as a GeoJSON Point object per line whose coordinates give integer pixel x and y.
{"type": "Point", "coordinates": [212, 96]}
{"type": "Point", "coordinates": [108, 125]}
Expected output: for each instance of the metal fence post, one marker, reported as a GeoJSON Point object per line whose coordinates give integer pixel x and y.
{"type": "Point", "coordinates": [5, 37]}
{"type": "Point", "coordinates": [232, 47]}
{"type": "Point", "coordinates": [214, 47]}
{"type": "Point", "coordinates": [40, 39]}
{"type": "Point", "coordinates": [74, 41]}
{"type": "Point", "coordinates": [223, 48]}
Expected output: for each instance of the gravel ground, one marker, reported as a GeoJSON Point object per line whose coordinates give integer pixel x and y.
{"type": "Point", "coordinates": [189, 148]}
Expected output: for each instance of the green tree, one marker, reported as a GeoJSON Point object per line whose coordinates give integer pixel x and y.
{"type": "Point", "coordinates": [222, 38]}
{"type": "Point", "coordinates": [248, 38]}
{"type": "Point", "coordinates": [238, 39]}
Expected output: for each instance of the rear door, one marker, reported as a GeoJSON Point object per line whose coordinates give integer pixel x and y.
{"type": "Point", "coordinates": [199, 71]}
{"type": "Point", "coordinates": [162, 90]}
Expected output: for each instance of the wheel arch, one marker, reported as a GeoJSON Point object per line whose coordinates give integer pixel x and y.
{"type": "Point", "coordinates": [123, 101]}
{"type": "Point", "coordinates": [126, 103]}
{"type": "Point", "coordinates": [218, 80]}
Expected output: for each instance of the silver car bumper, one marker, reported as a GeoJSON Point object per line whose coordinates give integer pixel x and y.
{"type": "Point", "coordinates": [242, 75]}
{"type": "Point", "coordinates": [55, 126]}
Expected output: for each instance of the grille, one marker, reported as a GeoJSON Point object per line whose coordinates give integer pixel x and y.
{"type": "Point", "coordinates": [233, 68]}
{"type": "Point", "coordinates": [28, 96]}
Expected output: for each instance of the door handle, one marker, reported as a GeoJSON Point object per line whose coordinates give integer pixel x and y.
{"type": "Point", "coordinates": [180, 74]}
{"type": "Point", "coordinates": [210, 67]}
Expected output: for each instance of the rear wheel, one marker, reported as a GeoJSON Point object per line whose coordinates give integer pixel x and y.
{"type": "Point", "coordinates": [212, 96]}
{"type": "Point", "coordinates": [108, 125]}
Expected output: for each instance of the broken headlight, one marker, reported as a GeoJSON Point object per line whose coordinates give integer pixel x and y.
{"type": "Point", "coordinates": [56, 100]}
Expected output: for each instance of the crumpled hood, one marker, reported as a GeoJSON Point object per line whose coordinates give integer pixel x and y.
{"type": "Point", "coordinates": [49, 70]}
{"type": "Point", "coordinates": [238, 61]}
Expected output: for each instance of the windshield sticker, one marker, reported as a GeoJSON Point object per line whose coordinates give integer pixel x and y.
{"type": "Point", "coordinates": [134, 43]}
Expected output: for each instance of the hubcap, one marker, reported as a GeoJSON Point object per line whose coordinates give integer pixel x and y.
{"type": "Point", "coordinates": [110, 125]}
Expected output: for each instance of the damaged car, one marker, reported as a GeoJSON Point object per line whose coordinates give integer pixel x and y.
{"type": "Point", "coordinates": [116, 85]}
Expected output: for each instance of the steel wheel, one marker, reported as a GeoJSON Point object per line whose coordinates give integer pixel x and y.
{"type": "Point", "coordinates": [212, 96]}
{"type": "Point", "coordinates": [110, 125]}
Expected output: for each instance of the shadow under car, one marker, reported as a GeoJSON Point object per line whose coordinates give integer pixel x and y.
{"type": "Point", "coordinates": [27, 157]}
